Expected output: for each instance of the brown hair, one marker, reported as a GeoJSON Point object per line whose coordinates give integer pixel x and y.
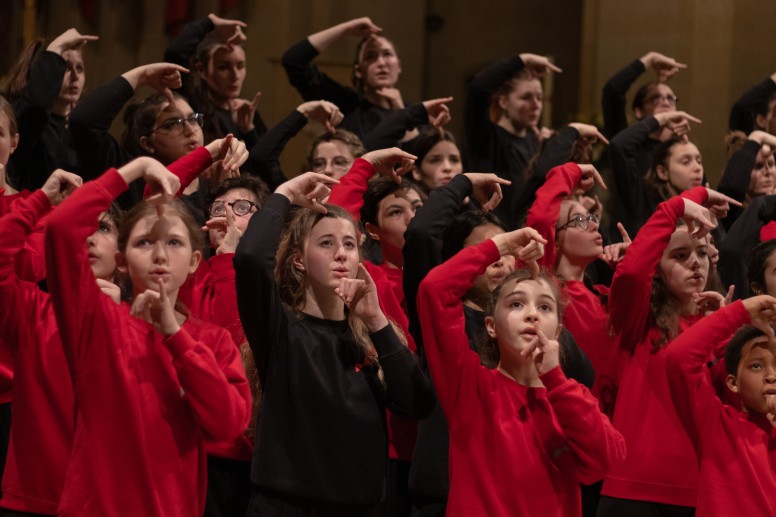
{"type": "Point", "coordinates": [7, 110]}
{"type": "Point", "coordinates": [19, 75]}
{"type": "Point", "coordinates": [140, 120]}
{"type": "Point", "coordinates": [346, 137]}
{"type": "Point", "coordinates": [661, 156]}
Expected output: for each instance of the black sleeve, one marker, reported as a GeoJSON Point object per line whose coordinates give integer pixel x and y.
{"type": "Point", "coordinates": [735, 180]}
{"type": "Point", "coordinates": [258, 300]}
{"type": "Point", "coordinates": [181, 48]}
{"type": "Point", "coordinates": [613, 98]}
{"type": "Point", "coordinates": [391, 130]}
{"type": "Point", "coordinates": [742, 114]}
{"type": "Point", "coordinates": [90, 123]}
{"type": "Point", "coordinates": [423, 244]}
{"type": "Point", "coordinates": [735, 250]}
{"type": "Point", "coordinates": [476, 111]}
{"type": "Point", "coordinates": [624, 149]}
{"type": "Point", "coordinates": [264, 158]}
{"type": "Point", "coordinates": [409, 393]}
{"type": "Point", "coordinates": [311, 83]}
{"type": "Point", "coordinates": [556, 152]}
{"type": "Point", "coordinates": [574, 362]}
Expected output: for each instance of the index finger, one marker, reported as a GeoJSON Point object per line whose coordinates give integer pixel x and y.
{"type": "Point", "coordinates": [601, 137]}
{"type": "Point", "coordinates": [624, 233]}
{"type": "Point", "coordinates": [691, 118]}
{"type": "Point", "coordinates": [554, 68]}
{"type": "Point", "coordinates": [599, 179]}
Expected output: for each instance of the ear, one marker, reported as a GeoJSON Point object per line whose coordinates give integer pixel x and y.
{"type": "Point", "coordinates": [196, 257]}
{"type": "Point", "coordinates": [661, 172]}
{"type": "Point", "coordinates": [416, 173]}
{"type": "Point", "coordinates": [121, 262]}
{"type": "Point", "coordinates": [296, 260]}
{"type": "Point", "coordinates": [147, 145]}
{"type": "Point", "coordinates": [755, 288]}
{"type": "Point", "coordinates": [503, 102]}
{"type": "Point", "coordinates": [490, 326]}
{"type": "Point", "coordinates": [357, 70]}
{"type": "Point", "coordinates": [14, 142]}
{"type": "Point", "coordinates": [557, 333]}
{"type": "Point", "coordinates": [760, 122]}
{"type": "Point", "coordinates": [731, 383]}
{"type": "Point", "coordinates": [373, 231]}
{"type": "Point", "coordinates": [200, 70]}
{"type": "Point", "coordinates": [638, 113]}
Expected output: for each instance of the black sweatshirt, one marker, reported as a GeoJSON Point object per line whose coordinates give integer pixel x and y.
{"type": "Point", "coordinates": [491, 148]}
{"type": "Point", "coordinates": [736, 178]}
{"type": "Point", "coordinates": [218, 121]}
{"type": "Point", "coordinates": [742, 114]}
{"type": "Point", "coordinates": [321, 433]}
{"type": "Point", "coordinates": [613, 100]}
{"type": "Point", "coordinates": [361, 116]}
{"type": "Point", "coordinates": [45, 143]}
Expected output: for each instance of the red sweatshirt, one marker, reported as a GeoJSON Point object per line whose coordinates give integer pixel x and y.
{"type": "Point", "coordinates": [661, 465]}
{"type": "Point", "coordinates": [42, 424]}
{"type": "Point", "coordinates": [145, 403]}
{"type": "Point", "coordinates": [514, 450]}
{"type": "Point", "coordinates": [349, 194]}
{"type": "Point", "coordinates": [585, 316]}
{"type": "Point", "coordinates": [737, 450]}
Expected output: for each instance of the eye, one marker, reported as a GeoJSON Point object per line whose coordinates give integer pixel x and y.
{"type": "Point", "coordinates": [756, 366]}
{"type": "Point", "coordinates": [350, 245]}
{"type": "Point", "coordinates": [395, 212]}
{"type": "Point", "coordinates": [104, 228]}
{"type": "Point", "coordinates": [455, 159]}
{"type": "Point", "coordinates": [175, 243]}
{"type": "Point", "coordinates": [680, 256]}
{"type": "Point", "coordinates": [546, 307]}
{"type": "Point", "coordinates": [325, 243]}
{"type": "Point", "coordinates": [142, 243]}
{"type": "Point", "coordinates": [318, 165]}
{"type": "Point", "coordinates": [516, 304]}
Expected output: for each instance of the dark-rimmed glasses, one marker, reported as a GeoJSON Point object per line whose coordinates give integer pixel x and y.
{"type": "Point", "coordinates": [581, 221]}
{"type": "Point", "coordinates": [175, 126]}
{"type": "Point", "coordinates": [239, 207]}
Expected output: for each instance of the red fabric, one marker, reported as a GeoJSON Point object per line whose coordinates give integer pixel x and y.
{"type": "Point", "coordinates": [177, 13]}
{"type": "Point", "coordinates": [768, 231]}
{"type": "Point", "coordinates": [146, 403]}
{"type": "Point", "coordinates": [585, 316]}
{"type": "Point", "coordinates": [737, 451]}
{"type": "Point", "coordinates": [661, 465]}
{"type": "Point", "coordinates": [349, 193]}
{"type": "Point", "coordinates": [514, 450]}
{"type": "Point", "coordinates": [90, 11]}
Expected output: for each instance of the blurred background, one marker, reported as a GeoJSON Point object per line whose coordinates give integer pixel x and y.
{"type": "Point", "coordinates": [728, 45]}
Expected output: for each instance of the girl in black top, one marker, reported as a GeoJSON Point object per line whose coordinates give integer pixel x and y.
{"type": "Point", "coordinates": [328, 360]}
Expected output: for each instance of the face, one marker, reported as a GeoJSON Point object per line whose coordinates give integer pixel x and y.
{"type": "Point", "coordinates": [712, 251]}
{"type": "Point", "coordinates": [660, 99]}
{"type": "Point", "coordinates": [75, 77]}
{"type": "Point", "coordinates": [8, 142]}
{"type": "Point", "coordinates": [378, 66]}
{"type": "Point", "coordinates": [684, 266]}
{"type": "Point", "coordinates": [684, 169]}
{"type": "Point", "coordinates": [226, 72]}
{"type": "Point", "coordinates": [332, 158]}
{"type": "Point", "coordinates": [330, 253]}
{"type": "Point", "coordinates": [755, 379]}
{"type": "Point", "coordinates": [439, 166]}
{"type": "Point", "coordinates": [167, 145]}
{"type": "Point", "coordinates": [523, 105]}
{"type": "Point", "coordinates": [767, 122]}
{"type": "Point", "coordinates": [159, 249]}
{"type": "Point", "coordinates": [573, 241]}
{"type": "Point", "coordinates": [240, 221]}
{"type": "Point", "coordinates": [102, 247]}
{"type": "Point", "coordinates": [496, 272]}
{"type": "Point", "coordinates": [763, 177]}
{"type": "Point", "coordinates": [394, 213]}
{"type": "Point", "coordinates": [523, 308]}
{"type": "Point", "coordinates": [770, 275]}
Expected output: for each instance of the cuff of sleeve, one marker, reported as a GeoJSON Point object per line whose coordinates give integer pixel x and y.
{"type": "Point", "coordinates": [553, 379]}
{"type": "Point", "coordinates": [639, 66]}
{"type": "Point", "coordinates": [207, 24]}
{"type": "Point", "coordinates": [418, 114]}
{"type": "Point", "coordinates": [698, 194]}
{"type": "Point", "coordinates": [278, 203]}
{"type": "Point", "coordinates": [363, 168]}
{"type": "Point", "coordinates": [569, 133]}
{"type": "Point", "coordinates": [112, 183]}
{"type": "Point", "coordinates": [179, 343]}
{"type": "Point", "coordinates": [751, 147]}
{"type": "Point", "coordinates": [40, 203]}
{"type": "Point", "coordinates": [386, 341]}
{"type": "Point", "coordinates": [297, 119]}
{"type": "Point", "coordinates": [461, 185]}
{"type": "Point", "coordinates": [652, 124]}
{"type": "Point", "coordinates": [737, 314]}
{"type": "Point", "coordinates": [221, 266]}
{"type": "Point", "coordinates": [489, 250]}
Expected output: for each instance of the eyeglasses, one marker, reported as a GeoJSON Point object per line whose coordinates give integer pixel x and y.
{"type": "Point", "coordinates": [581, 221]}
{"type": "Point", "coordinates": [339, 164]}
{"type": "Point", "coordinates": [657, 99]}
{"type": "Point", "coordinates": [175, 126]}
{"type": "Point", "coordinates": [239, 207]}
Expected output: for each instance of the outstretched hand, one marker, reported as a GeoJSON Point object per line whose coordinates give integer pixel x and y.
{"type": "Point", "coordinates": [538, 65]}
{"type": "Point", "coordinates": [60, 185]}
{"type": "Point", "coordinates": [665, 67]}
{"type": "Point", "coordinates": [229, 31]}
{"type": "Point", "coordinates": [677, 121]}
{"type": "Point", "coordinates": [698, 219]}
{"type": "Point", "coordinates": [69, 40]}
{"type": "Point", "coordinates": [309, 190]}
{"type": "Point", "coordinates": [525, 244]}
{"type": "Point", "coordinates": [486, 189]}
{"type": "Point", "coordinates": [324, 112]}
{"type": "Point", "coordinates": [438, 111]}
{"type": "Point", "coordinates": [588, 132]}
{"type": "Point", "coordinates": [590, 176]}
{"type": "Point", "coordinates": [391, 162]}
{"type": "Point", "coordinates": [162, 77]}
{"type": "Point", "coordinates": [360, 28]}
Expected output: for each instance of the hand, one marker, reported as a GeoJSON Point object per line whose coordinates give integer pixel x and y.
{"type": "Point", "coordinates": [588, 132]}
{"type": "Point", "coordinates": [708, 301]}
{"type": "Point", "coordinates": [69, 40]}
{"type": "Point", "coordinates": [227, 235]}
{"type": "Point", "coordinates": [665, 67]}
{"type": "Point", "coordinates": [156, 308]}
{"type": "Point", "coordinates": [392, 162]}
{"type": "Point", "coordinates": [719, 204]}
{"type": "Point", "coordinates": [486, 189]}
{"type": "Point", "coordinates": [762, 312]}
{"type": "Point", "coordinates": [614, 253]}
{"type": "Point", "coordinates": [590, 176]}
{"type": "Point", "coordinates": [590, 203]}
{"type": "Point", "coordinates": [60, 185]}
{"type": "Point", "coordinates": [324, 112]}
{"type": "Point", "coordinates": [162, 184]}
{"type": "Point", "coordinates": [538, 65]}
{"type": "Point", "coordinates": [308, 190]}
{"type": "Point", "coordinates": [360, 28]}
{"type": "Point", "coordinates": [393, 96]}
{"type": "Point", "coordinates": [438, 111]}
{"type": "Point", "coordinates": [243, 111]}
{"type": "Point", "coordinates": [698, 219]}
{"type": "Point", "coordinates": [162, 77]}
{"type": "Point", "coordinates": [360, 296]}
{"type": "Point", "coordinates": [110, 289]}
{"type": "Point", "coordinates": [766, 140]}
{"type": "Point", "coordinates": [229, 31]}
{"type": "Point", "coordinates": [230, 151]}
{"type": "Point", "coordinates": [525, 244]}
{"type": "Point", "coordinates": [545, 352]}
{"type": "Point", "coordinates": [676, 121]}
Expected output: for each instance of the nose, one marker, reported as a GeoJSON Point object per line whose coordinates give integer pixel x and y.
{"type": "Point", "coordinates": [339, 253]}
{"type": "Point", "coordinates": [531, 314]}
{"type": "Point", "coordinates": [695, 261]}
{"type": "Point", "coordinates": [770, 375]}
{"type": "Point", "coordinates": [159, 253]}
{"type": "Point", "coordinates": [90, 241]}
{"type": "Point", "coordinates": [447, 165]}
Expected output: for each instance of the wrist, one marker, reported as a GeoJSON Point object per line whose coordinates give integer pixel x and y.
{"type": "Point", "coordinates": [375, 323]}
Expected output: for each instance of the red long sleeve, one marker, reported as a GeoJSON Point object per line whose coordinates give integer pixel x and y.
{"type": "Point", "coordinates": [188, 167]}
{"type": "Point", "coordinates": [349, 194]}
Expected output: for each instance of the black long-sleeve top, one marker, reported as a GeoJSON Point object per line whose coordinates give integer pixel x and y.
{"type": "Point", "coordinates": [491, 148]}
{"type": "Point", "coordinates": [321, 434]}
{"type": "Point", "coordinates": [361, 116]}
{"type": "Point", "coordinates": [742, 114]}
{"type": "Point", "coordinates": [613, 99]}
{"type": "Point", "coordinates": [45, 143]}
{"type": "Point", "coordinates": [218, 121]}
{"type": "Point", "coordinates": [736, 178]}
{"type": "Point", "coordinates": [422, 252]}
{"type": "Point", "coordinates": [631, 153]}
{"type": "Point", "coordinates": [736, 248]}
